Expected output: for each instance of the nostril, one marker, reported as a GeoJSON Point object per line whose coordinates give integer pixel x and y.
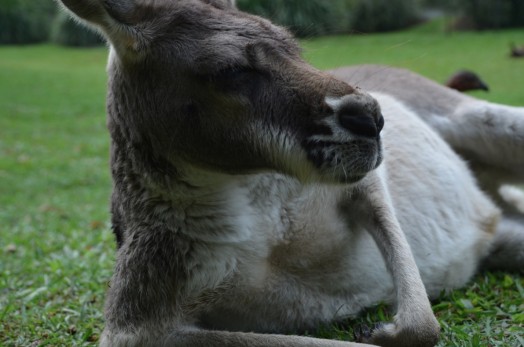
{"type": "Point", "coordinates": [380, 123]}
{"type": "Point", "coordinates": [363, 125]}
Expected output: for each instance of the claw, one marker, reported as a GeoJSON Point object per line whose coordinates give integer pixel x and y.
{"type": "Point", "coordinates": [377, 326]}
{"type": "Point", "coordinates": [362, 333]}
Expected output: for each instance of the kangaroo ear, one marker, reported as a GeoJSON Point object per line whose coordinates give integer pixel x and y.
{"type": "Point", "coordinates": [103, 13]}
{"type": "Point", "coordinates": [111, 17]}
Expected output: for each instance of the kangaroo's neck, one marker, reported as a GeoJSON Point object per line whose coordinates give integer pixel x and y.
{"type": "Point", "coordinates": [211, 207]}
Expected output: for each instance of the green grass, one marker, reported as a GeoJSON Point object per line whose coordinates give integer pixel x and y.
{"type": "Point", "coordinates": [56, 250]}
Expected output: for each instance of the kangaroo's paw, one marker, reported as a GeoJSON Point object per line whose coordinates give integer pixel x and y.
{"type": "Point", "coordinates": [424, 333]}
{"type": "Point", "coordinates": [362, 332]}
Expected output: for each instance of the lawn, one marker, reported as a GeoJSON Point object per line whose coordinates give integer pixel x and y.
{"type": "Point", "coordinates": [56, 249]}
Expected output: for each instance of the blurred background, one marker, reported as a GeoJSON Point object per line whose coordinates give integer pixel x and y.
{"type": "Point", "coordinates": [29, 21]}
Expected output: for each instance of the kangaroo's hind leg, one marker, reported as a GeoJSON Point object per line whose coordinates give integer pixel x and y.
{"type": "Point", "coordinates": [491, 137]}
{"type": "Point", "coordinates": [488, 134]}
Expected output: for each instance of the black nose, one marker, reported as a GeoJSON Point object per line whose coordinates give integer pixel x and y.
{"type": "Point", "coordinates": [358, 113]}
{"type": "Point", "coordinates": [363, 125]}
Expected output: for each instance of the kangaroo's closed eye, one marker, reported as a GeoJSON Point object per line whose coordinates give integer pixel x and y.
{"type": "Point", "coordinates": [232, 73]}
{"type": "Point", "coordinates": [238, 79]}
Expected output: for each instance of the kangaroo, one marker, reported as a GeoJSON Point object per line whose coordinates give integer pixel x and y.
{"type": "Point", "coordinates": [255, 196]}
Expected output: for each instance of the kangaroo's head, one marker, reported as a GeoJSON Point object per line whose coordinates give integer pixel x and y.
{"type": "Point", "coordinates": [199, 83]}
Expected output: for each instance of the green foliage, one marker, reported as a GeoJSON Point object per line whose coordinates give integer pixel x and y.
{"type": "Point", "coordinates": [67, 32]}
{"type": "Point", "coordinates": [25, 21]}
{"type": "Point", "coordinates": [383, 15]}
{"type": "Point", "coordinates": [489, 14]}
{"type": "Point", "coordinates": [303, 18]}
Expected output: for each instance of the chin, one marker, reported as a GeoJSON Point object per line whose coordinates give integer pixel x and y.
{"type": "Point", "coordinates": [338, 178]}
{"type": "Point", "coordinates": [349, 170]}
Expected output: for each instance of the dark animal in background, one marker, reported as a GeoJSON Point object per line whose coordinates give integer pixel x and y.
{"type": "Point", "coordinates": [517, 51]}
{"type": "Point", "coordinates": [465, 80]}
